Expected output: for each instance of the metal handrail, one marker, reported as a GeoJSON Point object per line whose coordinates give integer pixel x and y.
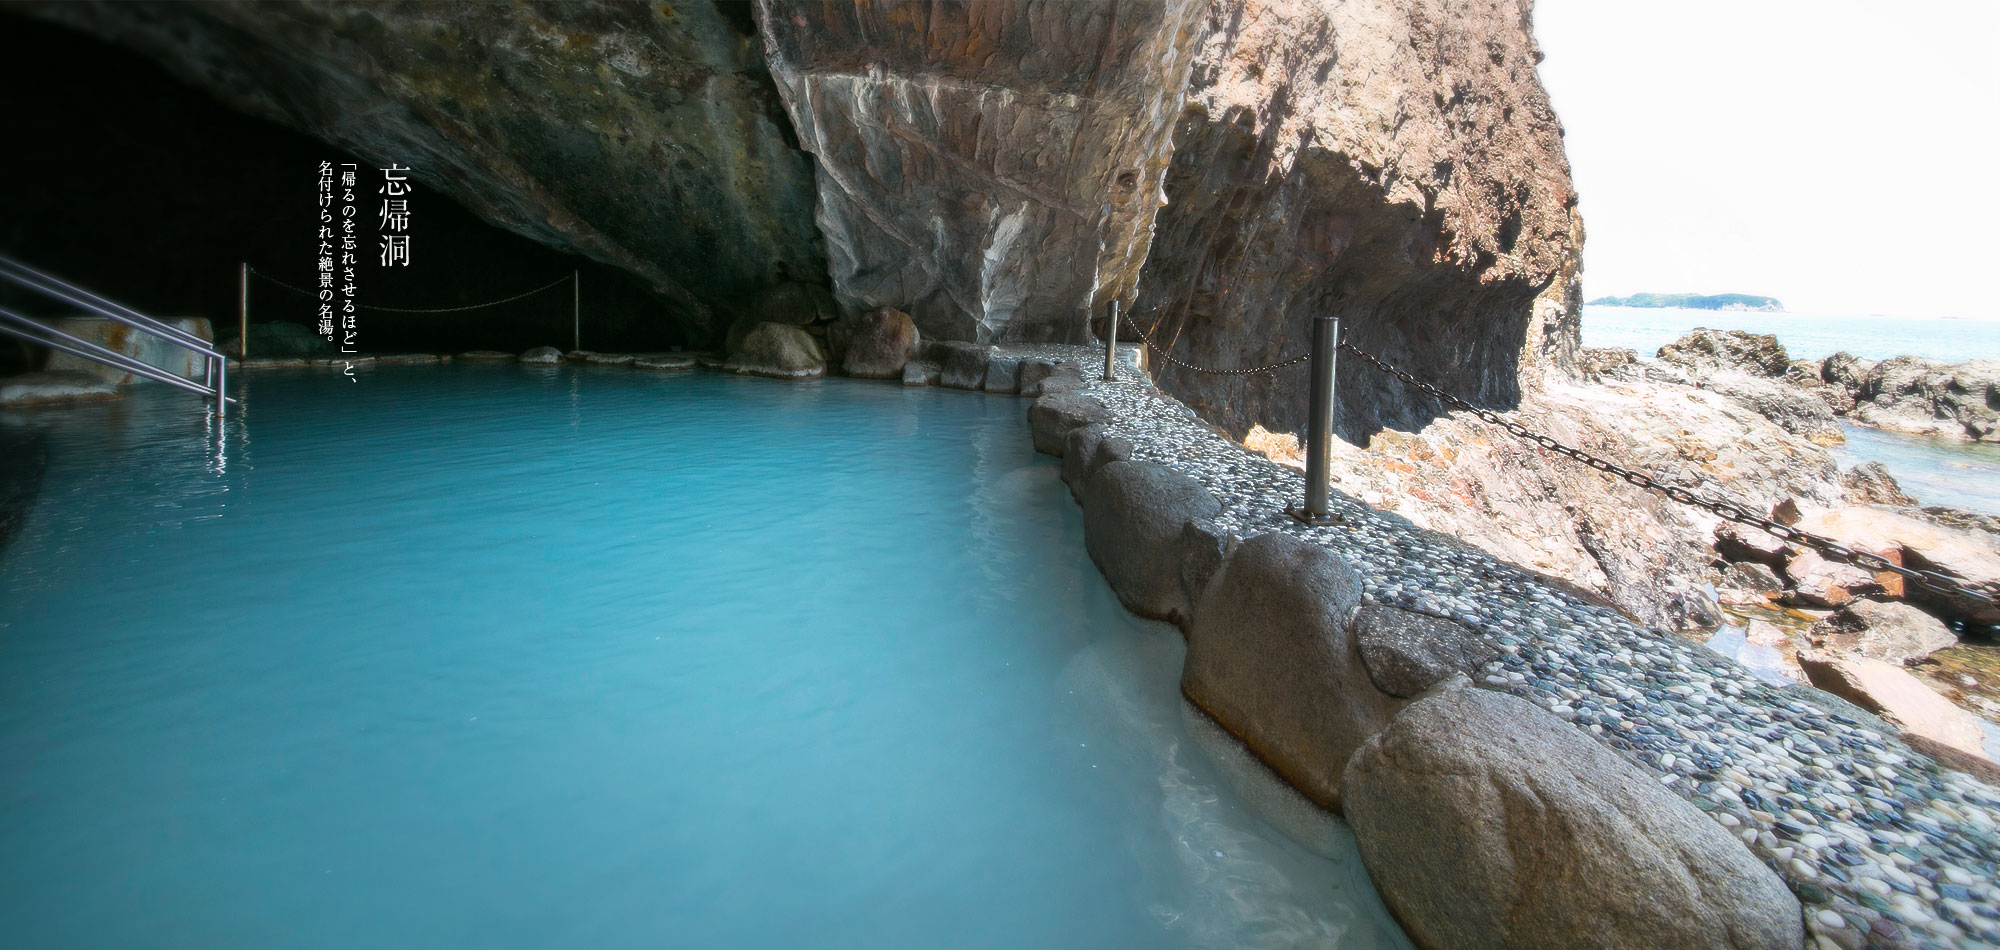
{"type": "Point", "coordinates": [215, 365]}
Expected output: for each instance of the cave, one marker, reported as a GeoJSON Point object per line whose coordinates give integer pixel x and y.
{"type": "Point", "coordinates": [152, 193]}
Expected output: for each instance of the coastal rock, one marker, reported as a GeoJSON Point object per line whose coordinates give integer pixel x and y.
{"type": "Point", "coordinates": [1753, 577]}
{"type": "Point", "coordinates": [1595, 362]}
{"type": "Point", "coordinates": [1133, 513]}
{"type": "Point", "coordinates": [1870, 483]}
{"type": "Point", "coordinates": [1912, 394]}
{"type": "Point", "coordinates": [1902, 699]}
{"type": "Point", "coordinates": [1706, 352]}
{"type": "Point", "coordinates": [1487, 822]}
{"type": "Point", "coordinates": [780, 351]}
{"type": "Point", "coordinates": [921, 373]}
{"type": "Point", "coordinates": [1818, 582]}
{"type": "Point", "coordinates": [1972, 557]}
{"type": "Point", "coordinates": [1272, 659]}
{"type": "Point", "coordinates": [965, 365]}
{"type": "Point", "coordinates": [1897, 633]}
{"type": "Point", "coordinates": [541, 355]}
{"type": "Point", "coordinates": [1052, 416]}
{"type": "Point", "coordinates": [1407, 653]}
{"type": "Point", "coordinates": [145, 347]}
{"type": "Point", "coordinates": [878, 344]}
{"type": "Point", "coordinates": [1418, 168]}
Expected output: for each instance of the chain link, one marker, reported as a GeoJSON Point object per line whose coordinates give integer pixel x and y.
{"type": "Point", "coordinates": [477, 306]}
{"type": "Point", "coordinates": [1258, 371]}
{"type": "Point", "coordinates": [1933, 581]}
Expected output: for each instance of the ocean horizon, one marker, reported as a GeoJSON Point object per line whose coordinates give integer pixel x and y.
{"type": "Point", "coordinates": [1806, 336]}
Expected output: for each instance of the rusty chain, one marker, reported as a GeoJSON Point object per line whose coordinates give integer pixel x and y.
{"type": "Point", "coordinates": [1933, 581]}
{"type": "Point", "coordinates": [1257, 371]}
{"type": "Point", "coordinates": [477, 306]}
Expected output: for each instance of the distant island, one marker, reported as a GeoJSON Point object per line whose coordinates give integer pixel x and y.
{"type": "Point", "coordinates": [1695, 302]}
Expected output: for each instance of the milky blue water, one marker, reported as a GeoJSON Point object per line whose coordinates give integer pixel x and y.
{"type": "Point", "coordinates": [1806, 336]}
{"type": "Point", "coordinates": [524, 657]}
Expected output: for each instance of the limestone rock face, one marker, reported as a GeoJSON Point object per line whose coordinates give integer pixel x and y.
{"type": "Point", "coordinates": [781, 351]}
{"type": "Point", "coordinates": [1389, 162]}
{"type": "Point", "coordinates": [1271, 658]}
{"type": "Point", "coordinates": [991, 168]}
{"type": "Point", "coordinates": [644, 136]}
{"type": "Point", "coordinates": [1487, 822]}
{"type": "Point", "coordinates": [1133, 516]}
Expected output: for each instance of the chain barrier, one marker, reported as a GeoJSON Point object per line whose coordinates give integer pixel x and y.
{"type": "Point", "coordinates": [477, 306]}
{"type": "Point", "coordinates": [1933, 581]}
{"type": "Point", "coordinates": [1258, 371]}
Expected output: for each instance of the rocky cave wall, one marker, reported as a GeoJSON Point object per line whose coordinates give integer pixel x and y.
{"type": "Point", "coordinates": [1395, 163]}
{"type": "Point", "coordinates": [1002, 170]}
{"type": "Point", "coordinates": [644, 136]}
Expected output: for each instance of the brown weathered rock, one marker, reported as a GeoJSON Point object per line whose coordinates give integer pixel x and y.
{"type": "Point", "coordinates": [1133, 519]}
{"type": "Point", "coordinates": [1597, 362]}
{"type": "Point", "coordinates": [1818, 582]}
{"type": "Point", "coordinates": [644, 136]}
{"type": "Point", "coordinates": [1897, 633]}
{"type": "Point", "coordinates": [780, 351]}
{"type": "Point", "coordinates": [968, 155]}
{"type": "Point", "coordinates": [921, 373]}
{"type": "Point", "coordinates": [1487, 822]}
{"type": "Point", "coordinates": [964, 365]}
{"type": "Point", "coordinates": [1912, 394]}
{"type": "Point", "coordinates": [1973, 557]}
{"type": "Point", "coordinates": [878, 344]}
{"type": "Point", "coordinates": [1899, 697]}
{"type": "Point", "coordinates": [1271, 658]}
{"type": "Point", "coordinates": [1870, 483]}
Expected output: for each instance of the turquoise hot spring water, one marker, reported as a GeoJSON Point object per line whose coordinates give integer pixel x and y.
{"type": "Point", "coordinates": [523, 657]}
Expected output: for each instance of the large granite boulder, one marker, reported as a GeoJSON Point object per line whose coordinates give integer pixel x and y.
{"type": "Point", "coordinates": [140, 345]}
{"type": "Point", "coordinates": [1870, 483]}
{"type": "Point", "coordinates": [779, 351]}
{"type": "Point", "coordinates": [1051, 417]}
{"type": "Point", "coordinates": [1272, 659]}
{"type": "Point", "coordinates": [1897, 633]}
{"type": "Point", "coordinates": [877, 344]}
{"type": "Point", "coordinates": [964, 365]}
{"type": "Point", "coordinates": [1134, 515]}
{"type": "Point", "coordinates": [1487, 822]}
{"type": "Point", "coordinates": [1087, 449]}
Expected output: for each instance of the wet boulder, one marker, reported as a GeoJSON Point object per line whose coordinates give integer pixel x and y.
{"type": "Point", "coordinates": [1895, 632]}
{"type": "Point", "coordinates": [1133, 516]}
{"type": "Point", "coordinates": [1051, 418]}
{"type": "Point", "coordinates": [877, 344]}
{"type": "Point", "coordinates": [541, 355]}
{"type": "Point", "coordinates": [779, 351]}
{"type": "Point", "coordinates": [964, 365]}
{"type": "Point", "coordinates": [1273, 659]}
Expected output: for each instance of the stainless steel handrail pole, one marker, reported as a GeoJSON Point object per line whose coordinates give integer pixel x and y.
{"type": "Point", "coordinates": [36, 280]}
{"type": "Point", "coordinates": [1111, 344]}
{"type": "Point", "coordinates": [97, 354]}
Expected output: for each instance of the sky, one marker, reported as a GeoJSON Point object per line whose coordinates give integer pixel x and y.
{"type": "Point", "coordinates": [1843, 157]}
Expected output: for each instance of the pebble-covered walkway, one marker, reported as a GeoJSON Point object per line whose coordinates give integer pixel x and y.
{"type": "Point", "coordinates": [1883, 848]}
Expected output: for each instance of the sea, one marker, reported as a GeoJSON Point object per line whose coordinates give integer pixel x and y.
{"type": "Point", "coordinates": [1934, 471]}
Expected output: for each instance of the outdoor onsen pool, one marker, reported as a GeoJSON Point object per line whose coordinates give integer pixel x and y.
{"type": "Point", "coordinates": [512, 656]}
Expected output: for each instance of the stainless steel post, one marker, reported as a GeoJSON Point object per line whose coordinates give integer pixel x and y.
{"type": "Point", "coordinates": [243, 310]}
{"type": "Point", "coordinates": [1318, 508]}
{"type": "Point", "coordinates": [1111, 344]}
{"type": "Point", "coordinates": [221, 387]}
{"type": "Point", "coordinates": [576, 308]}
